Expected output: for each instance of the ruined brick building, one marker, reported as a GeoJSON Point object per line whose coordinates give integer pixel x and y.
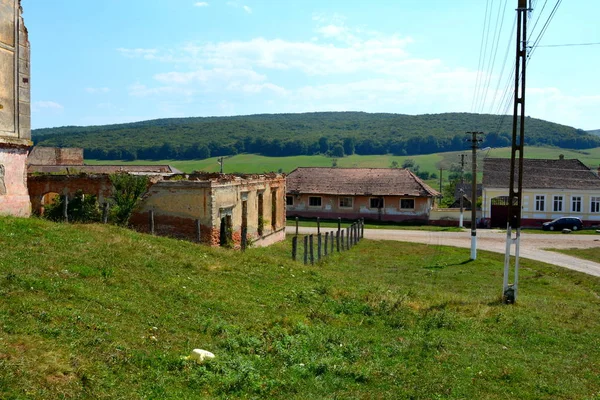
{"type": "Point", "coordinates": [15, 116]}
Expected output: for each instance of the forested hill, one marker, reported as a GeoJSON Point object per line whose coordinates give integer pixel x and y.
{"type": "Point", "coordinates": [335, 133]}
{"type": "Point", "coordinates": [595, 132]}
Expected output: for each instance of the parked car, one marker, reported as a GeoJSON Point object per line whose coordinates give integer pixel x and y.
{"type": "Point", "coordinates": [572, 223]}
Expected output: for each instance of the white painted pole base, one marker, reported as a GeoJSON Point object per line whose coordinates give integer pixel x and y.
{"type": "Point", "coordinates": [473, 245]}
{"type": "Point", "coordinates": [460, 221]}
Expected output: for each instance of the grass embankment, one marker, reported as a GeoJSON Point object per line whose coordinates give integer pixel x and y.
{"type": "Point", "coordinates": [101, 312]}
{"type": "Point", "coordinates": [591, 254]}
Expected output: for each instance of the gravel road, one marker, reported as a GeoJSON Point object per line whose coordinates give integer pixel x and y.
{"type": "Point", "coordinates": [532, 245]}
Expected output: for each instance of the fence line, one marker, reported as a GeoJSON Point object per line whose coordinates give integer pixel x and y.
{"type": "Point", "coordinates": [345, 239]}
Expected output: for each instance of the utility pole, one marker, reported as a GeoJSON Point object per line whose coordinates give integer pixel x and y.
{"type": "Point", "coordinates": [515, 192]}
{"type": "Point", "coordinates": [461, 191]}
{"type": "Point", "coordinates": [220, 160]}
{"type": "Point", "coordinates": [441, 195]}
{"type": "Point", "coordinates": [474, 144]}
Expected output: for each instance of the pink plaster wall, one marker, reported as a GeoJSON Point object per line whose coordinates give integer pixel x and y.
{"type": "Point", "coordinates": [15, 201]}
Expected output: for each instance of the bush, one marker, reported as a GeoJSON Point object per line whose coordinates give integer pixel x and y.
{"type": "Point", "coordinates": [81, 208]}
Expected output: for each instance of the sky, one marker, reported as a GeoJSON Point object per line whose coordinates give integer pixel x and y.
{"type": "Point", "coordinates": [113, 61]}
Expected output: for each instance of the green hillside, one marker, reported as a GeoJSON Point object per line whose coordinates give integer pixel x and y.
{"type": "Point", "coordinates": [251, 163]}
{"type": "Point", "coordinates": [334, 133]}
{"type": "Point", "coordinates": [99, 312]}
{"type": "Point", "coordinates": [594, 132]}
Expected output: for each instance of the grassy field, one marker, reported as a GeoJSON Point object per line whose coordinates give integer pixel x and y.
{"type": "Point", "coordinates": [98, 312]}
{"type": "Point", "coordinates": [250, 163]}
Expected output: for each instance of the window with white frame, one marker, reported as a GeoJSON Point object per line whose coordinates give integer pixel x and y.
{"type": "Point", "coordinates": [346, 202]}
{"type": "Point", "coordinates": [376, 202]}
{"type": "Point", "coordinates": [595, 205]}
{"type": "Point", "coordinates": [314, 201]}
{"type": "Point", "coordinates": [407, 204]}
{"type": "Point", "coordinates": [557, 203]}
{"type": "Point", "coordinates": [540, 203]}
{"type": "Point", "coordinates": [576, 204]}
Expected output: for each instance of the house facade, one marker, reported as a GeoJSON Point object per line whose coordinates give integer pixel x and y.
{"type": "Point", "coordinates": [380, 194]}
{"type": "Point", "coordinates": [551, 189]}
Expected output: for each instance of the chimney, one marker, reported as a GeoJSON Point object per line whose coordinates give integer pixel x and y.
{"type": "Point", "coordinates": [561, 156]}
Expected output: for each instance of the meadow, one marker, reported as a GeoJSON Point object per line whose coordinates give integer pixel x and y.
{"type": "Point", "coordinates": [251, 163]}
{"type": "Point", "coordinates": [101, 312]}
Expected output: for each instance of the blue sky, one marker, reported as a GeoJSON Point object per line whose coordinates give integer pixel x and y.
{"type": "Point", "coordinates": [111, 61]}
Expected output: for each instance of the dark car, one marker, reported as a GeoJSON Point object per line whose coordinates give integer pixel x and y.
{"type": "Point", "coordinates": [572, 223]}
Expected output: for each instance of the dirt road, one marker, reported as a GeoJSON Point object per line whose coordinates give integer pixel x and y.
{"type": "Point", "coordinates": [532, 245]}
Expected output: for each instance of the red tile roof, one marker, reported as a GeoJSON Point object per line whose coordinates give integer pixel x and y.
{"type": "Point", "coordinates": [358, 181]}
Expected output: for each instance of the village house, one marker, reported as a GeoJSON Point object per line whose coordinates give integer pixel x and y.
{"type": "Point", "coordinates": [551, 189]}
{"type": "Point", "coordinates": [15, 120]}
{"type": "Point", "coordinates": [382, 194]}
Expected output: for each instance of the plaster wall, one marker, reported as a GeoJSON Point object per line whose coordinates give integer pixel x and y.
{"type": "Point", "coordinates": [360, 208]}
{"type": "Point", "coordinates": [532, 217]}
{"type": "Point", "coordinates": [14, 198]}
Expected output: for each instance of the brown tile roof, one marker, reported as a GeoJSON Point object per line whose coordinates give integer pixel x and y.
{"type": "Point", "coordinates": [358, 181]}
{"type": "Point", "coordinates": [102, 169]}
{"type": "Point", "coordinates": [541, 174]}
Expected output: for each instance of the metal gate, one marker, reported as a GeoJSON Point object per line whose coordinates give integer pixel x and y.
{"type": "Point", "coordinates": [499, 212]}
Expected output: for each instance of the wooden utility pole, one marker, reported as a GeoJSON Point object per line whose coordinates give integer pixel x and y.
{"type": "Point", "coordinates": [220, 160]}
{"type": "Point", "coordinates": [461, 191]}
{"type": "Point", "coordinates": [474, 145]}
{"type": "Point", "coordinates": [515, 192]}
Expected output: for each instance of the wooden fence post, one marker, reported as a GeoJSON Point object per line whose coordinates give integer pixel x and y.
{"type": "Point", "coordinates": [151, 221]}
{"type": "Point", "coordinates": [294, 247]}
{"type": "Point", "coordinates": [326, 247]}
{"type": "Point", "coordinates": [105, 213]}
{"type": "Point", "coordinates": [198, 231]}
{"type": "Point", "coordinates": [296, 226]}
{"type": "Point", "coordinates": [337, 240]}
{"type": "Point", "coordinates": [342, 239]}
{"type": "Point", "coordinates": [331, 235]}
{"type": "Point", "coordinates": [348, 238]}
{"type": "Point", "coordinates": [318, 226]}
{"type": "Point", "coordinates": [305, 250]}
{"type": "Point", "coordinates": [362, 228]}
{"type": "Point", "coordinates": [339, 224]}
{"type": "Point", "coordinates": [66, 208]}
{"type": "Point", "coordinates": [312, 250]}
{"type": "Point", "coordinates": [318, 247]}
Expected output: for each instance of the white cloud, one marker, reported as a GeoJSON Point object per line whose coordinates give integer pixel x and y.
{"type": "Point", "coordinates": [93, 90]}
{"type": "Point", "coordinates": [237, 4]}
{"type": "Point", "coordinates": [247, 9]}
{"type": "Point", "coordinates": [553, 105]}
{"type": "Point", "coordinates": [48, 105]}
{"type": "Point", "coordinates": [147, 54]}
{"type": "Point", "coordinates": [201, 4]}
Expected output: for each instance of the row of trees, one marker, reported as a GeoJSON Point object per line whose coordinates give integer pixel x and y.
{"type": "Point", "coordinates": [294, 147]}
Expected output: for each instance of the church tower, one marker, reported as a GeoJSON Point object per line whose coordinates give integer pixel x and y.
{"type": "Point", "coordinates": [15, 110]}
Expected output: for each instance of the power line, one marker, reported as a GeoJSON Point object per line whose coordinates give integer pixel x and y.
{"type": "Point", "coordinates": [569, 44]}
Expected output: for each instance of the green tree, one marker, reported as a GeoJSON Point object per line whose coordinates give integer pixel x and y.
{"type": "Point", "coordinates": [337, 150]}
{"type": "Point", "coordinates": [81, 208]}
{"type": "Point", "coordinates": [127, 190]}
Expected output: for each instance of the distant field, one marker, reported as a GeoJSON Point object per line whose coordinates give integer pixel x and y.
{"type": "Point", "coordinates": [251, 163]}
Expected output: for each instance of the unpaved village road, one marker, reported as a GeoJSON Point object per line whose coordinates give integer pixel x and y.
{"type": "Point", "coordinates": [532, 245]}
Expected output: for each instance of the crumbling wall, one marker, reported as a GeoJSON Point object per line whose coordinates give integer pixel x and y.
{"type": "Point", "coordinates": [55, 156]}
{"type": "Point", "coordinates": [15, 110]}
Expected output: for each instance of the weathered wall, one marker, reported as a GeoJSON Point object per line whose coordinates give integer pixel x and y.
{"type": "Point", "coordinates": [15, 125]}
{"type": "Point", "coordinates": [40, 185]}
{"type": "Point", "coordinates": [14, 199]}
{"type": "Point", "coordinates": [360, 208]}
{"type": "Point", "coordinates": [178, 204]}
{"type": "Point", "coordinates": [55, 156]}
